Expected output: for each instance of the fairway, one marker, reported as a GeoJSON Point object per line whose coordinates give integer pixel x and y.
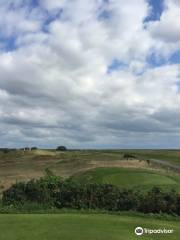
{"type": "Point", "coordinates": [74, 226]}
{"type": "Point", "coordinates": [130, 178]}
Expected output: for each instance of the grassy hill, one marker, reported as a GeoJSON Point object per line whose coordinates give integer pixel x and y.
{"type": "Point", "coordinates": [78, 226]}
{"type": "Point", "coordinates": [139, 179]}
{"type": "Point", "coordinates": [21, 166]}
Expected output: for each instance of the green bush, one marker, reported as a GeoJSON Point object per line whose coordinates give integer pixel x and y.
{"type": "Point", "coordinates": [128, 156]}
{"type": "Point", "coordinates": [15, 194]}
{"type": "Point", "coordinates": [51, 192]}
{"type": "Point", "coordinates": [41, 191]}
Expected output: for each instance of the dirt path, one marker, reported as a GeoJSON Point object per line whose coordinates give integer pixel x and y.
{"type": "Point", "coordinates": [122, 164]}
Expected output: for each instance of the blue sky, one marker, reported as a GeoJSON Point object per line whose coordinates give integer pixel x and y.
{"type": "Point", "coordinates": [90, 73]}
{"type": "Point", "coordinates": [157, 9]}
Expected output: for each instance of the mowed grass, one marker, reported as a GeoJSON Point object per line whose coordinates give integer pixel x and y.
{"type": "Point", "coordinates": [130, 178]}
{"type": "Point", "coordinates": [76, 226]}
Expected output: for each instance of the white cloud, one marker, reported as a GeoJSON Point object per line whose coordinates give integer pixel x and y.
{"type": "Point", "coordinates": [167, 28]}
{"type": "Point", "coordinates": [56, 87]}
{"type": "Point", "coordinates": [166, 31]}
{"type": "Point", "coordinates": [52, 5]}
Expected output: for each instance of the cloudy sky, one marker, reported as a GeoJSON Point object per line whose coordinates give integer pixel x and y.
{"type": "Point", "coordinates": [90, 74]}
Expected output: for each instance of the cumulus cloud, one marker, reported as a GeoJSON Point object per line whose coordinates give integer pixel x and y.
{"type": "Point", "coordinates": [17, 18]}
{"type": "Point", "coordinates": [166, 31]}
{"type": "Point", "coordinates": [167, 28]}
{"type": "Point", "coordinates": [52, 5]}
{"type": "Point", "coordinates": [55, 83]}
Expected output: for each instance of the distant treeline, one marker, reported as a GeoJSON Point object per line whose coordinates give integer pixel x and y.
{"type": "Point", "coordinates": [7, 150]}
{"type": "Point", "coordinates": [51, 191]}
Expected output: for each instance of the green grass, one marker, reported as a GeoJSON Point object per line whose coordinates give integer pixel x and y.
{"type": "Point", "coordinates": [74, 226]}
{"type": "Point", "coordinates": [130, 178]}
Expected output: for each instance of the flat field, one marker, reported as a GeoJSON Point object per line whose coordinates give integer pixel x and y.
{"type": "Point", "coordinates": [76, 226]}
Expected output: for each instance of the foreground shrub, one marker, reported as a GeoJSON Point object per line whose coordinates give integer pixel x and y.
{"type": "Point", "coordinates": [15, 194]}
{"type": "Point", "coordinates": [157, 201]}
{"type": "Point", "coordinates": [41, 191]}
{"type": "Point", "coordinates": [50, 191]}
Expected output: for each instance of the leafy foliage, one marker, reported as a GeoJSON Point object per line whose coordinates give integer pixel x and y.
{"type": "Point", "coordinates": [53, 192]}
{"type": "Point", "coordinates": [61, 148]}
{"type": "Point", "coordinates": [128, 156]}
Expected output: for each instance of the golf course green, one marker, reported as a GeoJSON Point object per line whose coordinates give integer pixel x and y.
{"type": "Point", "coordinates": [130, 178]}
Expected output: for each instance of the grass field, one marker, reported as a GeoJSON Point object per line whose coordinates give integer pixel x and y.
{"type": "Point", "coordinates": [75, 226]}
{"type": "Point", "coordinates": [105, 166]}
{"type": "Point", "coordinates": [20, 165]}
{"type": "Point", "coordinates": [139, 179]}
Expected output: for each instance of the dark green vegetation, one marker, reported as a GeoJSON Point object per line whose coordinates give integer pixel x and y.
{"type": "Point", "coordinates": [139, 179]}
{"type": "Point", "coordinates": [81, 226]}
{"type": "Point", "coordinates": [52, 192]}
{"type": "Point", "coordinates": [61, 148]}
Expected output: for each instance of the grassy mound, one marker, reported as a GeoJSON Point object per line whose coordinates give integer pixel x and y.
{"type": "Point", "coordinates": [22, 166]}
{"type": "Point", "coordinates": [130, 178]}
{"type": "Point", "coordinates": [68, 226]}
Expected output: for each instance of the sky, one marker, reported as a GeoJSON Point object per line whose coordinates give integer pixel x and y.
{"type": "Point", "coordinates": [90, 74]}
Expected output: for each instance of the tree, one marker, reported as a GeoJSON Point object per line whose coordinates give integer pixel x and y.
{"type": "Point", "coordinates": [34, 148]}
{"type": "Point", "coordinates": [128, 156]}
{"type": "Point", "coordinates": [61, 148]}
